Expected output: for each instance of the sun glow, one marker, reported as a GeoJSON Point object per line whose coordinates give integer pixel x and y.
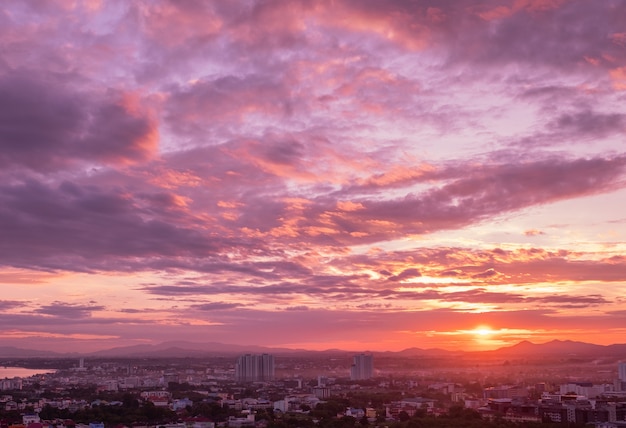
{"type": "Point", "coordinates": [483, 331]}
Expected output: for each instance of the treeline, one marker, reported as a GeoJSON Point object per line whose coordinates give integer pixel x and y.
{"type": "Point", "coordinates": [324, 415]}
{"type": "Point", "coordinates": [129, 411]}
{"type": "Point", "coordinates": [112, 415]}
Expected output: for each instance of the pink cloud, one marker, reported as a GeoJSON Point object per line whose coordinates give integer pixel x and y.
{"type": "Point", "coordinates": [172, 24]}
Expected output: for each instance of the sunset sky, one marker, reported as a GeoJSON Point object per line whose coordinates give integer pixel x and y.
{"type": "Point", "coordinates": [354, 174]}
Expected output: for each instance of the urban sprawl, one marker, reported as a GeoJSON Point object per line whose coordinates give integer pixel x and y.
{"type": "Point", "coordinates": [336, 391]}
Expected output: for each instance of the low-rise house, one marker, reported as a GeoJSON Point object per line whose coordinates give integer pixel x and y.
{"type": "Point", "coordinates": [199, 422]}
{"type": "Point", "coordinates": [30, 418]}
{"type": "Point", "coordinates": [246, 421]}
{"type": "Point", "coordinates": [409, 405]}
{"type": "Point", "coordinates": [355, 413]}
{"type": "Point", "coordinates": [181, 404]}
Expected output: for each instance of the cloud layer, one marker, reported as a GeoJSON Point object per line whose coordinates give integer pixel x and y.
{"type": "Point", "coordinates": [404, 170]}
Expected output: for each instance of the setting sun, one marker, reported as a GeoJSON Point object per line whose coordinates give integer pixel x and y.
{"type": "Point", "coordinates": [483, 331]}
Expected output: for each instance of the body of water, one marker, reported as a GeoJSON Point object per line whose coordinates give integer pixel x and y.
{"type": "Point", "coordinates": [11, 372]}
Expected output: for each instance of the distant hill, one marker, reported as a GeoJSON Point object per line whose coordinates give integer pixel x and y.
{"type": "Point", "coordinates": [180, 349]}
{"type": "Point", "coordinates": [417, 352]}
{"type": "Point", "coordinates": [561, 347]}
{"type": "Point", "coordinates": [13, 352]}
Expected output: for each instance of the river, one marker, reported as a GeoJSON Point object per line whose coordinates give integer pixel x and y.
{"type": "Point", "coordinates": [11, 372]}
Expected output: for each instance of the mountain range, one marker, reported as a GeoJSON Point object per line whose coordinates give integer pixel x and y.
{"type": "Point", "coordinates": [182, 349]}
{"type": "Point", "coordinates": [562, 347]}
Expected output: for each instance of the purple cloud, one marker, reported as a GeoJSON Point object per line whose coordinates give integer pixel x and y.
{"type": "Point", "coordinates": [49, 125]}
{"type": "Point", "coordinates": [64, 310]}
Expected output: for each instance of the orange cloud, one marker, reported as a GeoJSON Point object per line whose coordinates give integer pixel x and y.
{"type": "Point", "coordinates": [500, 12]}
{"type": "Point", "coordinates": [171, 178]}
{"type": "Point", "coordinates": [618, 76]}
{"type": "Point", "coordinates": [533, 232]}
{"type": "Point", "coordinates": [349, 206]}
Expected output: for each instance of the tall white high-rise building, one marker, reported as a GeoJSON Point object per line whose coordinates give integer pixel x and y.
{"type": "Point", "coordinates": [362, 367]}
{"type": "Point", "coordinates": [254, 368]}
{"type": "Point", "coordinates": [621, 371]}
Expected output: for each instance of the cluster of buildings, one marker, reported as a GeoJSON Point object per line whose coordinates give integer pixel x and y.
{"type": "Point", "coordinates": [10, 384]}
{"type": "Point", "coordinates": [261, 368]}
{"type": "Point", "coordinates": [558, 408]}
{"type": "Point", "coordinates": [112, 377]}
{"type": "Point", "coordinates": [411, 406]}
{"type": "Point", "coordinates": [602, 405]}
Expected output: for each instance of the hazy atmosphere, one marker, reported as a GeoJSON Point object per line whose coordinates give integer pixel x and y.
{"type": "Point", "coordinates": [353, 174]}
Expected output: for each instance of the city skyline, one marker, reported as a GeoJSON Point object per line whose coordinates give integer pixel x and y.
{"type": "Point", "coordinates": [346, 174]}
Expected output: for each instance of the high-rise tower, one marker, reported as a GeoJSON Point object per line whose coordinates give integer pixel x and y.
{"type": "Point", "coordinates": [621, 371]}
{"type": "Point", "coordinates": [362, 367]}
{"type": "Point", "coordinates": [254, 368]}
